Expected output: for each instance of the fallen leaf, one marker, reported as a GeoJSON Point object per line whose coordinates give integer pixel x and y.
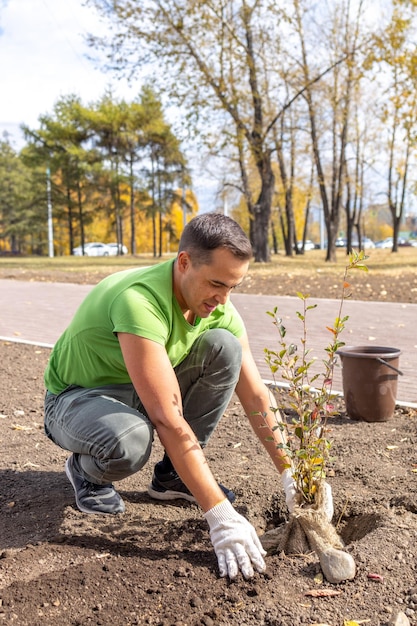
{"type": "Point", "coordinates": [376, 577]}
{"type": "Point", "coordinates": [19, 427]}
{"type": "Point", "coordinates": [322, 593]}
{"type": "Point", "coordinates": [392, 447]}
{"type": "Point", "coordinates": [350, 623]}
{"type": "Point", "coordinates": [318, 578]}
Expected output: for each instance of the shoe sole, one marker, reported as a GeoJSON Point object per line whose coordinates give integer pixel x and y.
{"type": "Point", "coordinates": [169, 495]}
{"type": "Point", "coordinates": [82, 508]}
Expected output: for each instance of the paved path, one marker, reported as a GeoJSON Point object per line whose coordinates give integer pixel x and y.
{"type": "Point", "coordinates": [38, 312]}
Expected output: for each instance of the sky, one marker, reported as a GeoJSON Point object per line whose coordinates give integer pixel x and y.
{"type": "Point", "coordinates": [43, 56]}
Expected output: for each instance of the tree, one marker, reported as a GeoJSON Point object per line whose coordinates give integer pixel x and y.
{"type": "Point", "coordinates": [18, 220]}
{"type": "Point", "coordinates": [395, 53]}
{"type": "Point", "coordinates": [225, 60]}
{"type": "Point", "coordinates": [332, 136]}
{"type": "Point", "coordinates": [210, 52]}
{"type": "Point", "coordinates": [60, 144]}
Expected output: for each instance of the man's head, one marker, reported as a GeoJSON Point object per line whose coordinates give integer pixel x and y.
{"type": "Point", "coordinates": [210, 231]}
{"type": "Point", "coordinates": [213, 258]}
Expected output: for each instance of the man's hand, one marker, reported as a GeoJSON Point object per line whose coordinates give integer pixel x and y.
{"type": "Point", "coordinates": [235, 542]}
{"type": "Point", "coordinates": [290, 490]}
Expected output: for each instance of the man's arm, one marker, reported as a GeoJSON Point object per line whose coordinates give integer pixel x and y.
{"type": "Point", "coordinates": [257, 401]}
{"type": "Point", "coordinates": [234, 539]}
{"type": "Point", "coordinates": [155, 382]}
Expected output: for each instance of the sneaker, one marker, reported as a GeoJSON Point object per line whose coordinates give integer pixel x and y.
{"type": "Point", "coordinates": [92, 498]}
{"type": "Point", "coordinates": [169, 486]}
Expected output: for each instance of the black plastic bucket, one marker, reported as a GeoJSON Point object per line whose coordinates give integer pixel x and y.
{"type": "Point", "coordinates": [370, 376]}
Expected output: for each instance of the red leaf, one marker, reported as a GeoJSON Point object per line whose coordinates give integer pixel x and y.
{"type": "Point", "coordinates": [376, 577]}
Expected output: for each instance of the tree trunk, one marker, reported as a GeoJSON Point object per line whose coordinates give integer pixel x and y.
{"type": "Point", "coordinates": [262, 212]}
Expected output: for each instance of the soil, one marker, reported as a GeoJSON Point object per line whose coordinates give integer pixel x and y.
{"type": "Point", "coordinates": [155, 564]}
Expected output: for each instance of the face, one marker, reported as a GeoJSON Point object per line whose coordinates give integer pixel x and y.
{"type": "Point", "coordinates": [200, 289]}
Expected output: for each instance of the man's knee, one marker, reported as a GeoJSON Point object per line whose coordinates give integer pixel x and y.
{"type": "Point", "coordinates": [225, 346]}
{"type": "Point", "coordinates": [131, 452]}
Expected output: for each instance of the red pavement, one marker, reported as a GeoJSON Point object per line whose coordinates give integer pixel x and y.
{"type": "Point", "coordinates": [38, 312]}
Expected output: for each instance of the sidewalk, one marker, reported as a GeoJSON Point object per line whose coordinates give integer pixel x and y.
{"type": "Point", "coordinates": [38, 312]}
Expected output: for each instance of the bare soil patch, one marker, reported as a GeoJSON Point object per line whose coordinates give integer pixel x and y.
{"type": "Point", "coordinates": [155, 564]}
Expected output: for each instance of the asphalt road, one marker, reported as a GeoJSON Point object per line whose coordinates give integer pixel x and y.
{"type": "Point", "coordinates": [37, 312]}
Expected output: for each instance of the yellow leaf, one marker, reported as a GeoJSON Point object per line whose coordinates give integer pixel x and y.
{"type": "Point", "coordinates": [392, 447]}
{"type": "Point", "coordinates": [350, 623]}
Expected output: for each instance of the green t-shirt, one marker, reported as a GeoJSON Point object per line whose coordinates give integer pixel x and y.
{"type": "Point", "coordinates": [138, 301]}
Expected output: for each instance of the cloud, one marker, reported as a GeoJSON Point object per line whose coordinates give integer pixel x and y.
{"type": "Point", "coordinates": [43, 56]}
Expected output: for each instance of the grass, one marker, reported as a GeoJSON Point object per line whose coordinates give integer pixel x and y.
{"type": "Point", "coordinates": [73, 264]}
{"type": "Point", "coordinates": [379, 261]}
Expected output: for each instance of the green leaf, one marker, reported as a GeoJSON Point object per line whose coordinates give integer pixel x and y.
{"type": "Point", "coordinates": [298, 432]}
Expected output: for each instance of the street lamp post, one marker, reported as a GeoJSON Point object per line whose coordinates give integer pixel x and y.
{"type": "Point", "coordinates": [50, 225]}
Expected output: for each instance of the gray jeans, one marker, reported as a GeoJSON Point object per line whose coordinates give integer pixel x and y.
{"type": "Point", "coordinates": [108, 426]}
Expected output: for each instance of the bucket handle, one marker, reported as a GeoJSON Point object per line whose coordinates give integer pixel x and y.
{"type": "Point", "coordinates": [389, 365]}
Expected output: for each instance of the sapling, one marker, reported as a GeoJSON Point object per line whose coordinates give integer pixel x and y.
{"type": "Point", "coordinates": [311, 395]}
{"type": "Point", "coordinates": [306, 444]}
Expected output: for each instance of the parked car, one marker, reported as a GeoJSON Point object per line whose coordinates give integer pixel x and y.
{"type": "Point", "coordinates": [401, 242]}
{"type": "Point", "coordinates": [308, 245]}
{"type": "Point", "coordinates": [367, 243]}
{"type": "Point", "coordinates": [384, 243]}
{"type": "Point", "coordinates": [117, 248]}
{"type": "Point", "coordinates": [92, 249]}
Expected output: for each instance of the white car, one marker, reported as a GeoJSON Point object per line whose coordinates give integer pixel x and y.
{"type": "Point", "coordinates": [308, 245]}
{"type": "Point", "coordinates": [92, 249]}
{"type": "Point", "coordinates": [117, 248]}
{"type": "Point", "coordinates": [384, 243]}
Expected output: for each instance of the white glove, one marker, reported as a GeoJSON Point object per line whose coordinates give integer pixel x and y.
{"type": "Point", "coordinates": [291, 500]}
{"type": "Point", "coordinates": [290, 489]}
{"type": "Point", "coordinates": [235, 542]}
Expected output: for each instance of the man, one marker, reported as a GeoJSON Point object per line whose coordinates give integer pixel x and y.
{"type": "Point", "coordinates": [163, 348]}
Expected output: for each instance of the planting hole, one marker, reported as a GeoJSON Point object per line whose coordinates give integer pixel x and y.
{"type": "Point", "coordinates": [356, 527]}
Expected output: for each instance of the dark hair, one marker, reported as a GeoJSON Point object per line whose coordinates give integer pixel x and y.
{"type": "Point", "coordinates": [209, 231]}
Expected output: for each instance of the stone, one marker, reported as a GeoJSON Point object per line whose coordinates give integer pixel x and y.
{"type": "Point", "coordinates": [399, 619]}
